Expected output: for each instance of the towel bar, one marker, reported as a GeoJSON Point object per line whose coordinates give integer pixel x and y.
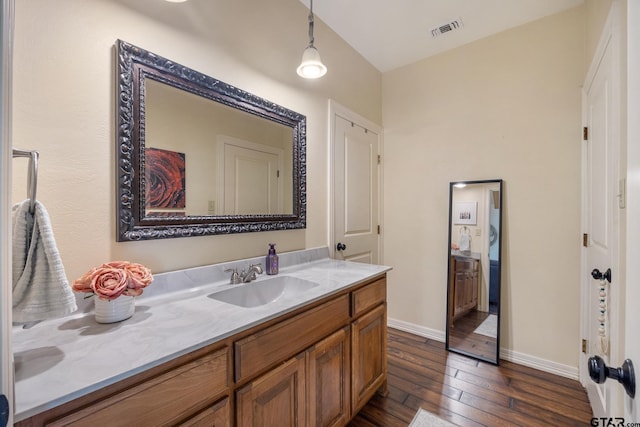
{"type": "Point", "coordinates": [32, 180]}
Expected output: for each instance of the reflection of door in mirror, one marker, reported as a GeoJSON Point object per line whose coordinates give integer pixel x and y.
{"type": "Point", "coordinates": [249, 180]}
{"type": "Point", "coordinates": [473, 309]}
{"type": "Point", "coordinates": [255, 181]}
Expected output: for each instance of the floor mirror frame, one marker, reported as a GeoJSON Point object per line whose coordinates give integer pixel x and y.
{"type": "Point", "coordinates": [470, 329]}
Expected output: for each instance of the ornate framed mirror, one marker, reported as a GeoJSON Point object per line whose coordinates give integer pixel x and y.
{"type": "Point", "coordinates": [197, 156]}
{"type": "Point", "coordinates": [474, 260]}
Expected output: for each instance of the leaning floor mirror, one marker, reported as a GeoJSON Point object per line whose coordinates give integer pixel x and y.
{"type": "Point", "coordinates": [473, 284]}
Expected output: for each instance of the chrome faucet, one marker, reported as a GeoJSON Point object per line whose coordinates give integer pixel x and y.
{"type": "Point", "coordinates": [235, 277]}
{"type": "Point", "coordinates": [244, 276]}
{"type": "Point", "coordinates": [250, 274]}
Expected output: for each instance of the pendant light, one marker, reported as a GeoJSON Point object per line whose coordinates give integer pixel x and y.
{"type": "Point", "coordinates": [311, 66]}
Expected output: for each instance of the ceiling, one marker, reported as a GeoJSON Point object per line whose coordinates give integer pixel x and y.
{"type": "Point", "coordinates": [393, 33]}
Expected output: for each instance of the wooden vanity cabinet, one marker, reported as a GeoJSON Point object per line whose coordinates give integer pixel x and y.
{"type": "Point", "coordinates": [368, 343]}
{"type": "Point", "coordinates": [314, 367]}
{"type": "Point", "coordinates": [340, 372]}
{"type": "Point", "coordinates": [463, 286]}
{"type": "Point", "coordinates": [310, 389]}
{"type": "Point", "coordinates": [276, 343]}
{"type": "Point", "coordinates": [166, 399]}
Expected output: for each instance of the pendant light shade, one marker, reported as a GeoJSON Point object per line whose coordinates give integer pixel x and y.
{"type": "Point", "coordinates": [311, 66]}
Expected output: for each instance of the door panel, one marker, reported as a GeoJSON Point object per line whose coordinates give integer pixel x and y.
{"type": "Point", "coordinates": [356, 191]}
{"type": "Point", "coordinates": [632, 295]}
{"type": "Point", "coordinates": [249, 176]}
{"type": "Point", "coordinates": [358, 153]}
{"type": "Point", "coordinates": [6, 358]}
{"type": "Point", "coordinates": [251, 183]}
{"type": "Point", "coordinates": [601, 209]}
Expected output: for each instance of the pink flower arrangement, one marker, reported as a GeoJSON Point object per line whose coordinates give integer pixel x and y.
{"type": "Point", "coordinates": [113, 279]}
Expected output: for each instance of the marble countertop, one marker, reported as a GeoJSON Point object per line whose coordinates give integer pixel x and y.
{"type": "Point", "coordinates": [59, 360]}
{"type": "Point", "coordinates": [465, 254]}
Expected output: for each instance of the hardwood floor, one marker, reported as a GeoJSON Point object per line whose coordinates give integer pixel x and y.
{"type": "Point", "coordinates": [463, 338]}
{"type": "Point", "coordinates": [469, 393]}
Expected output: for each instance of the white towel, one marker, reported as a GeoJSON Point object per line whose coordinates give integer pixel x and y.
{"type": "Point", "coordinates": [465, 242]}
{"type": "Point", "coordinates": [40, 286]}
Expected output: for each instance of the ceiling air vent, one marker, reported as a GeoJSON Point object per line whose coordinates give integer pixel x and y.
{"type": "Point", "coordinates": [452, 25]}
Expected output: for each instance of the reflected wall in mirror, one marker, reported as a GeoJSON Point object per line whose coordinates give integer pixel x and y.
{"type": "Point", "coordinates": [473, 284]}
{"type": "Point", "coordinates": [197, 156]}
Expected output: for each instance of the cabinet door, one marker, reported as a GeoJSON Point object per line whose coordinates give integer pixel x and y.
{"type": "Point", "coordinates": [328, 381]}
{"type": "Point", "coordinates": [215, 416]}
{"type": "Point", "coordinates": [369, 356]}
{"type": "Point", "coordinates": [276, 399]}
{"type": "Point", "coordinates": [460, 293]}
{"type": "Point", "coordinates": [471, 290]}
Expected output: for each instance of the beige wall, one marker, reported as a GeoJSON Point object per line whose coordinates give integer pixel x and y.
{"type": "Point", "coordinates": [503, 107]}
{"type": "Point", "coordinates": [596, 15]}
{"type": "Point", "coordinates": [508, 106]}
{"type": "Point", "coordinates": [64, 104]}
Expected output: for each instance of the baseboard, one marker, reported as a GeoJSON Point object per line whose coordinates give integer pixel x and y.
{"type": "Point", "coordinates": [541, 364]}
{"type": "Point", "coordinates": [506, 354]}
{"type": "Point", "coordinates": [416, 329]}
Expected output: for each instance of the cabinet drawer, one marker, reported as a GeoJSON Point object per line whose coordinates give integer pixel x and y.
{"type": "Point", "coordinates": [368, 296]}
{"type": "Point", "coordinates": [160, 401]}
{"type": "Point", "coordinates": [285, 339]}
{"type": "Point", "coordinates": [466, 265]}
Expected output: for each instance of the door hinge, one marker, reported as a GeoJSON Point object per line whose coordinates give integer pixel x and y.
{"type": "Point", "coordinates": [378, 229]}
{"type": "Point", "coordinates": [584, 345]}
{"type": "Point", "coordinates": [585, 133]}
{"type": "Point", "coordinates": [278, 174]}
{"type": "Point", "coordinates": [379, 159]}
{"type": "Point", "coordinates": [585, 240]}
{"type": "Point", "coordinates": [622, 193]}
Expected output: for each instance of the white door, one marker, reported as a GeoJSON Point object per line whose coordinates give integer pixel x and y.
{"type": "Point", "coordinates": [249, 179]}
{"type": "Point", "coordinates": [601, 307]}
{"type": "Point", "coordinates": [632, 295]}
{"type": "Point", "coordinates": [356, 192]}
{"type": "Point", "coordinates": [6, 366]}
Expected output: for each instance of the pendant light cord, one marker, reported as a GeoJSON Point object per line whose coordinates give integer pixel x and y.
{"type": "Point", "coordinates": [311, 39]}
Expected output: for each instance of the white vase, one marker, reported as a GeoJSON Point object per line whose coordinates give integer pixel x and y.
{"type": "Point", "coordinates": [115, 310]}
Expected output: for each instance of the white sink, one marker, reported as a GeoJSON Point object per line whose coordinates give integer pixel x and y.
{"type": "Point", "coordinates": [263, 292]}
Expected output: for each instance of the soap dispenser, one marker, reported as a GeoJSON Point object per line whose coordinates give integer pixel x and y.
{"type": "Point", "coordinates": [272, 260]}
